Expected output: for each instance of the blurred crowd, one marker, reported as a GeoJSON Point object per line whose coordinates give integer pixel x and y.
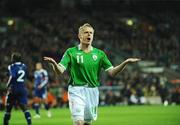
{"type": "Point", "coordinates": [150, 37]}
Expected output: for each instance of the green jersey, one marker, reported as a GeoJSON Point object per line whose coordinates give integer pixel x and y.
{"type": "Point", "coordinates": [84, 67]}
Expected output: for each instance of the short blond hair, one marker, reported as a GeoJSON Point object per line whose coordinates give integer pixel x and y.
{"type": "Point", "coordinates": [85, 25]}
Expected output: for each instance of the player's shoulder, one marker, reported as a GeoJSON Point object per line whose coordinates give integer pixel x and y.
{"type": "Point", "coordinates": [72, 48]}
{"type": "Point", "coordinates": [96, 49]}
{"type": "Point", "coordinates": [99, 51]}
{"type": "Point", "coordinates": [17, 64]}
{"type": "Point", "coordinates": [9, 67]}
{"type": "Point", "coordinates": [14, 67]}
{"type": "Point", "coordinates": [44, 71]}
{"type": "Point", "coordinates": [22, 64]}
{"type": "Point", "coordinates": [36, 73]}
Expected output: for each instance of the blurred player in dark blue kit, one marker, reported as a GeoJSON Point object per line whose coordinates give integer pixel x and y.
{"type": "Point", "coordinates": [17, 92]}
{"type": "Point", "coordinates": [40, 84]}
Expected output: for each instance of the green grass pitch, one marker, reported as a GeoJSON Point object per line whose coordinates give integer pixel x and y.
{"type": "Point", "coordinates": [118, 115]}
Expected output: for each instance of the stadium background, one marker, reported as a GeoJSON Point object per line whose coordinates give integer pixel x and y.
{"type": "Point", "coordinates": [123, 28]}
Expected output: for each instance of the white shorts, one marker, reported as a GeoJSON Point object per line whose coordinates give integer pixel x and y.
{"type": "Point", "coordinates": [83, 102]}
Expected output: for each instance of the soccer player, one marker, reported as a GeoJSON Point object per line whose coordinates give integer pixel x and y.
{"type": "Point", "coordinates": [40, 92]}
{"type": "Point", "coordinates": [84, 63]}
{"type": "Point", "coordinates": [17, 92]}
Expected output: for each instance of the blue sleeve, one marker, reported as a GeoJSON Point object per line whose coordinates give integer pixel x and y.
{"type": "Point", "coordinates": [11, 71]}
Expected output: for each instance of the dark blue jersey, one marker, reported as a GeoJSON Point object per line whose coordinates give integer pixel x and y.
{"type": "Point", "coordinates": [40, 78]}
{"type": "Point", "coordinates": [18, 74]}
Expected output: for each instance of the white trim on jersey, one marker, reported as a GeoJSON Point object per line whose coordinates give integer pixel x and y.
{"type": "Point", "coordinates": [79, 47]}
{"type": "Point", "coordinates": [63, 68]}
{"type": "Point", "coordinates": [109, 68]}
{"type": "Point", "coordinates": [18, 63]}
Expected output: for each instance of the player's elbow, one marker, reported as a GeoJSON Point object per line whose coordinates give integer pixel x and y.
{"type": "Point", "coordinates": [111, 73]}
{"type": "Point", "coordinates": [59, 71]}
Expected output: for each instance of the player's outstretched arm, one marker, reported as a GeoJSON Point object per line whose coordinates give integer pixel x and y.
{"type": "Point", "coordinates": [57, 68]}
{"type": "Point", "coordinates": [114, 71]}
{"type": "Point", "coordinates": [9, 82]}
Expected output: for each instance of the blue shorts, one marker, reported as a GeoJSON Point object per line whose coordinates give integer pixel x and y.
{"type": "Point", "coordinates": [17, 96]}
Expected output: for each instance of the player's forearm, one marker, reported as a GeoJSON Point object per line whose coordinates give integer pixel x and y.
{"type": "Point", "coordinates": [57, 68]}
{"type": "Point", "coordinates": [8, 85]}
{"type": "Point", "coordinates": [9, 82]}
{"type": "Point", "coordinates": [114, 71]}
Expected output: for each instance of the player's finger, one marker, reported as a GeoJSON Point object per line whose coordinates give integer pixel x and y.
{"type": "Point", "coordinates": [138, 59]}
{"type": "Point", "coordinates": [46, 58]}
{"type": "Point", "coordinates": [134, 59]}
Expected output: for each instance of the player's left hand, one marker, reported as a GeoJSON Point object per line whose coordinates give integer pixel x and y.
{"type": "Point", "coordinates": [131, 60]}
{"type": "Point", "coordinates": [39, 87]}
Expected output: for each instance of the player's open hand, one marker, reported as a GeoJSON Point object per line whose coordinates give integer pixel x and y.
{"type": "Point", "coordinates": [131, 60]}
{"type": "Point", "coordinates": [39, 87]}
{"type": "Point", "coordinates": [49, 59]}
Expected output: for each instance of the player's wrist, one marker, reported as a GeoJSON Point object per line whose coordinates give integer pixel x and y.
{"type": "Point", "coordinates": [127, 61]}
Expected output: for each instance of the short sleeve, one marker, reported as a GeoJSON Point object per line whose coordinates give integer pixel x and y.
{"type": "Point", "coordinates": [11, 71]}
{"type": "Point", "coordinates": [106, 64]}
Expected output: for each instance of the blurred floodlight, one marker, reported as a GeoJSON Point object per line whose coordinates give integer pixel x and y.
{"type": "Point", "coordinates": [10, 22]}
{"type": "Point", "coordinates": [129, 22]}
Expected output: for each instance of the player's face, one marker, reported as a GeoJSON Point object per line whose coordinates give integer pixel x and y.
{"type": "Point", "coordinates": [86, 35]}
{"type": "Point", "coordinates": [38, 66]}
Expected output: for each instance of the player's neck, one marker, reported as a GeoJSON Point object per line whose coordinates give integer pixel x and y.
{"type": "Point", "coordinates": [86, 47]}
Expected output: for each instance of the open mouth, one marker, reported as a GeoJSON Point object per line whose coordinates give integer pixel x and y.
{"type": "Point", "coordinates": [88, 38]}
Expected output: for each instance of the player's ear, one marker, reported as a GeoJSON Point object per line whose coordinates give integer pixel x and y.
{"type": "Point", "coordinates": [79, 36]}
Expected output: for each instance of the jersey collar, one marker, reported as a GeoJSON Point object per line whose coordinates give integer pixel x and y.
{"type": "Point", "coordinates": [18, 63]}
{"type": "Point", "coordinates": [79, 47]}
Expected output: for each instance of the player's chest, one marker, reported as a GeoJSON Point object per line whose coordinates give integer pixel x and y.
{"type": "Point", "coordinates": [39, 75]}
{"type": "Point", "coordinates": [86, 59]}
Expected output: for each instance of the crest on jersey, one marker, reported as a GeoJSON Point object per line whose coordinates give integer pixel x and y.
{"type": "Point", "coordinates": [94, 57]}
